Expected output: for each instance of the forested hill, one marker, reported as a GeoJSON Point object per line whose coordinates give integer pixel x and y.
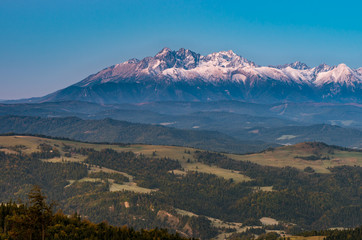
{"type": "Point", "coordinates": [200, 194]}
{"type": "Point", "coordinates": [109, 130]}
{"type": "Point", "coordinates": [38, 221]}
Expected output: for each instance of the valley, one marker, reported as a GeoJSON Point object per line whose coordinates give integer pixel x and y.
{"type": "Point", "coordinates": [173, 181]}
{"type": "Point", "coordinates": [209, 147]}
{"type": "Point", "coordinates": [180, 120]}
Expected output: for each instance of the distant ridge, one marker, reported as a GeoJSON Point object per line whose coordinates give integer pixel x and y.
{"type": "Point", "coordinates": [184, 75]}
{"type": "Point", "coordinates": [113, 131]}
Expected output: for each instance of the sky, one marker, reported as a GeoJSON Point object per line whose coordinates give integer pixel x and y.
{"type": "Point", "coordinates": [48, 45]}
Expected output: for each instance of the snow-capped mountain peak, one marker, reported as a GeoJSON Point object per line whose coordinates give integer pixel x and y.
{"type": "Point", "coordinates": [184, 74]}
{"type": "Point", "coordinates": [226, 59]}
{"type": "Point", "coordinates": [322, 68]}
{"type": "Point", "coordinates": [164, 51]}
{"type": "Point", "coordinates": [342, 74]}
{"type": "Point", "coordinates": [299, 65]}
{"type": "Point", "coordinates": [295, 65]}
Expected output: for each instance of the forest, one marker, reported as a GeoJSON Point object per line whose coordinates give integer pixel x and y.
{"type": "Point", "coordinates": [36, 220]}
{"type": "Point", "coordinates": [299, 200]}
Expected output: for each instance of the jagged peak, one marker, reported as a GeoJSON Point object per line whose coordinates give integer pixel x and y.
{"type": "Point", "coordinates": [227, 59]}
{"type": "Point", "coordinates": [164, 51]}
{"type": "Point", "coordinates": [341, 74]}
{"type": "Point", "coordinates": [184, 64]}
{"type": "Point", "coordinates": [133, 60]}
{"type": "Point", "coordinates": [299, 65]}
{"type": "Point", "coordinates": [295, 65]}
{"type": "Point", "coordinates": [324, 65]}
{"type": "Point", "coordinates": [186, 52]}
{"type": "Point", "coordinates": [322, 68]}
{"type": "Point", "coordinates": [228, 53]}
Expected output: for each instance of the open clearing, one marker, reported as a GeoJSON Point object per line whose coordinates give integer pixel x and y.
{"type": "Point", "coordinates": [31, 144]}
{"type": "Point", "coordinates": [268, 221]}
{"type": "Point", "coordinates": [179, 153]}
{"type": "Point", "coordinates": [279, 157]}
{"type": "Point", "coordinates": [115, 187]}
{"type": "Point", "coordinates": [221, 172]}
{"type": "Point", "coordinates": [236, 226]}
{"type": "Point", "coordinates": [306, 238]}
{"type": "Point", "coordinates": [288, 156]}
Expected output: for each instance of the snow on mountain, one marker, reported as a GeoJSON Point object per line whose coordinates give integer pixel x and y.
{"type": "Point", "coordinates": [322, 68]}
{"type": "Point", "coordinates": [342, 75]}
{"type": "Point", "coordinates": [359, 70]}
{"type": "Point", "coordinates": [188, 76]}
{"type": "Point", "coordinates": [296, 65]}
{"type": "Point", "coordinates": [185, 65]}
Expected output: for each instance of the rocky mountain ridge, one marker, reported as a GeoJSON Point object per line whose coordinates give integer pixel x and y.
{"type": "Point", "coordinates": [184, 75]}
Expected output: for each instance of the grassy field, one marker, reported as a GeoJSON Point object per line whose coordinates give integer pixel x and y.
{"type": "Point", "coordinates": [236, 226]}
{"type": "Point", "coordinates": [290, 156]}
{"type": "Point", "coordinates": [114, 187]}
{"type": "Point", "coordinates": [182, 154]}
{"type": "Point", "coordinates": [279, 157]}
{"type": "Point", "coordinates": [306, 238]}
{"type": "Point", "coordinates": [31, 144]}
{"type": "Point", "coordinates": [225, 173]}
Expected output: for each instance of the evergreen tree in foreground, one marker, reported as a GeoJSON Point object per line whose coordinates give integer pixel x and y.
{"type": "Point", "coordinates": [36, 221]}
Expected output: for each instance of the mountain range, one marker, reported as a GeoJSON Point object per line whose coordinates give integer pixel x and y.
{"type": "Point", "coordinates": [184, 75]}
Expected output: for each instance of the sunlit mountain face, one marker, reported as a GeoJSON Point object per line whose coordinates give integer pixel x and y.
{"type": "Point", "coordinates": [184, 75]}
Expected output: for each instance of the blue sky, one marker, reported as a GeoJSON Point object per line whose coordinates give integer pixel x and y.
{"type": "Point", "coordinates": [47, 45]}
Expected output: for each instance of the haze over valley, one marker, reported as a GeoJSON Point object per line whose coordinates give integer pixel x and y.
{"type": "Point", "coordinates": [180, 120]}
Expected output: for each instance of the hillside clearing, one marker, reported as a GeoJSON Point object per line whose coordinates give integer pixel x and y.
{"type": "Point", "coordinates": [278, 157]}
{"type": "Point", "coordinates": [221, 172]}
{"type": "Point", "coordinates": [293, 156]}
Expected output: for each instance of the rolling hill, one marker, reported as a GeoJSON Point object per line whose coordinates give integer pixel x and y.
{"type": "Point", "coordinates": [105, 182]}
{"type": "Point", "coordinates": [113, 131]}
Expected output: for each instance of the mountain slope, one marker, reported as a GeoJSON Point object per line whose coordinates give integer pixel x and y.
{"type": "Point", "coordinates": [108, 130]}
{"type": "Point", "coordinates": [184, 75]}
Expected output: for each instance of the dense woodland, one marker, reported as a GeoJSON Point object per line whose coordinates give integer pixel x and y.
{"type": "Point", "coordinates": [310, 200]}
{"type": "Point", "coordinates": [36, 220]}
{"type": "Point", "coordinates": [317, 200]}
{"type": "Point", "coordinates": [335, 234]}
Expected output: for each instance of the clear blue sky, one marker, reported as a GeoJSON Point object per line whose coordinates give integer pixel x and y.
{"type": "Point", "coordinates": [46, 45]}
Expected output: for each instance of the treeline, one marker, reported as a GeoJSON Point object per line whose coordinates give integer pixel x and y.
{"type": "Point", "coordinates": [60, 138]}
{"type": "Point", "coordinates": [114, 131]}
{"type": "Point", "coordinates": [93, 199]}
{"type": "Point", "coordinates": [309, 199]}
{"type": "Point", "coordinates": [337, 234]}
{"type": "Point", "coordinates": [46, 152]}
{"type": "Point", "coordinates": [19, 172]}
{"type": "Point", "coordinates": [36, 220]}
{"type": "Point", "coordinates": [145, 169]}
